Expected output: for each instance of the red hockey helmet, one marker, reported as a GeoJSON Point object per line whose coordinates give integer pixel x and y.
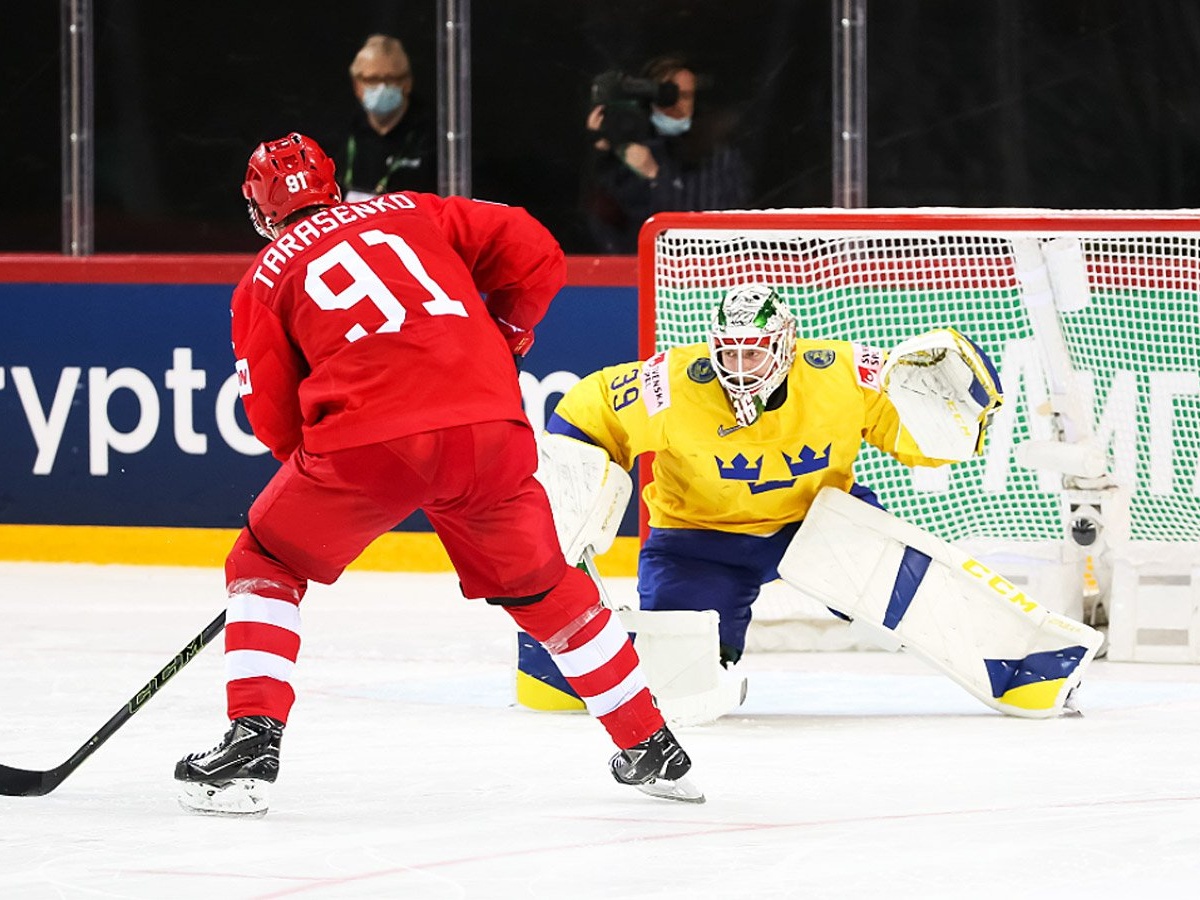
{"type": "Point", "coordinates": [287, 175]}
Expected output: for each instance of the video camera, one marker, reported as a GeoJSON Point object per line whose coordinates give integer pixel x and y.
{"type": "Point", "coordinates": [626, 101]}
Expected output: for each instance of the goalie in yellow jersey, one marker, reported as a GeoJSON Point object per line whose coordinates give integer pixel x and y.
{"type": "Point", "coordinates": [747, 428]}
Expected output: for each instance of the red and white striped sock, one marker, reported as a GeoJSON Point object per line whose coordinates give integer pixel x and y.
{"type": "Point", "coordinates": [262, 641]}
{"type": "Point", "coordinates": [594, 653]}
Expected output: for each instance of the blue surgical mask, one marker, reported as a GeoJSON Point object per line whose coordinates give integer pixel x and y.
{"type": "Point", "coordinates": [382, 99]}
{"type": "Point", "coordinates": [667, 126]}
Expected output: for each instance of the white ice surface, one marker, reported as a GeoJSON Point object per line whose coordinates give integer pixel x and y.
{"type": "Point", "coordinates": [407, 771]}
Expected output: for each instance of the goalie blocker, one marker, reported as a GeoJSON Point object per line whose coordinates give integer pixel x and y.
{"type": "Point", "coordinates": [905, 587]}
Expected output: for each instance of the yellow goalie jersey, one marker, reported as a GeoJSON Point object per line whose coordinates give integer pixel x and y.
{"type": "Point", "coordinates": [710, 473]}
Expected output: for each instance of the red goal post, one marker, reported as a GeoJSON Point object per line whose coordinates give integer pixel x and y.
{"type": "Point", "coordinates": [1092, 317]}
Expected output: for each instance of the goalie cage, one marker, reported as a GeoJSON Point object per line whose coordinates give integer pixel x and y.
{"type": "Point", "coordinates": [1088, 494]}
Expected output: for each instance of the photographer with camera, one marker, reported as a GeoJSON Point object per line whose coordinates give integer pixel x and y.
{"type": "Point", "coordinates": [647, 157]}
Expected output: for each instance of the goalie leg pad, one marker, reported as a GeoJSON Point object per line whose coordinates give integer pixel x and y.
{"type": "Point", "coordinates": [678, 653]}
{"type": "Point", "coordinates": [539, 683]}
{"type": "Point", "coordinates": [950, 610]}
{"type": "Point", "coordinates": [678, 650]}
{"type": "Point", "coordinates": [693, 569]}
{"type": "Point", "coordinates": [592, 651]}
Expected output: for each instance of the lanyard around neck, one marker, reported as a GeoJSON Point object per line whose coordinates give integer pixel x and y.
{"type": "Point", "coordinates": [381, 185]}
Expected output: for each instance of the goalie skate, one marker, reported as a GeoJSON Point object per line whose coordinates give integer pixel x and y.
{"type": "Point", "coordinates": [234, 777]}
{"type": "Point", "coordinates": [657, 766]}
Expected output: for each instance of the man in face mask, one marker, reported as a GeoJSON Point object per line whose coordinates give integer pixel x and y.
{"type": "Point", "coordinates": [390, 142]}
{"type": "Point", "coordinates": [674, 168]}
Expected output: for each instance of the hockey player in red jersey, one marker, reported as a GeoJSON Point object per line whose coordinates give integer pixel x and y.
{"type": "Point", "coordinates": [371, 366]}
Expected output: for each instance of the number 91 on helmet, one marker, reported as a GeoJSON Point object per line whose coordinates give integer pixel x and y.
{"type": "Point", "coordinates": [285, 177]}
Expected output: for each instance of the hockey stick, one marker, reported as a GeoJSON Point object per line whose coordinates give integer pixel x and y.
{"type": "Point", "coordinates": [31, 783]}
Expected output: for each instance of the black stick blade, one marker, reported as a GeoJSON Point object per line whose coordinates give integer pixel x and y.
{"type": "Point", "coordinates": [26, 783]}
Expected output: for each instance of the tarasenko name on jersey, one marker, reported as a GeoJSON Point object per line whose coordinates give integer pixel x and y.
{"type": "Point", "coordinates": [305, 234]}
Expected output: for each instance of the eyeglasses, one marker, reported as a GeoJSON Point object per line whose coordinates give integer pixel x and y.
{"type": "Point", "coordinates": [383, 79]}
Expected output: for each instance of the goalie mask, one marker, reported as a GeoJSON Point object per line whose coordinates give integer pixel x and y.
{"type": "Point", "coordinates": [284, 177]}
{"type": "Point", "coordinates": [752, 345]}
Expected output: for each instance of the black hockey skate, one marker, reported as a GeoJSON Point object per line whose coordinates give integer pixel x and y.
{"type": "Point", "coordinates": [232, 778]}
{"type": "Point", "coordinates": [657, 766]}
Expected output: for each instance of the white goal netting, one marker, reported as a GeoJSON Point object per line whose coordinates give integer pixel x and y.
{"type": "Point", "coordinates": [1124, 302]}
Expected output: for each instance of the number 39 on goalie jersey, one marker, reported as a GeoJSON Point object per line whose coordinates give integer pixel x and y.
{"type": "Point", "coordinates": [711, 474]}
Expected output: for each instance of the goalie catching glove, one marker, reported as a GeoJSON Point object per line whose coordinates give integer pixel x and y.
{"type": "Point", "coordinates": [945, 389]}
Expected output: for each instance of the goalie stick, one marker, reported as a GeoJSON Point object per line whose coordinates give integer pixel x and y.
{"type": "Point", "coordinates": [32, 783]}
{"type": "Point", "coordinates": [588, 561]}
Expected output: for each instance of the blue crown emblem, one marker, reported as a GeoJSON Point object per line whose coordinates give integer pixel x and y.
{"type": "Point", "coordinates": [739, 468]}
{"type": "Point", "coordinates": [761, 487]}
{"type": "Point", "coordinates": [808, 461]}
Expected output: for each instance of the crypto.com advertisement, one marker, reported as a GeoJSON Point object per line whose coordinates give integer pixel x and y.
{"type": "Point", "coordinates": [119, 401]}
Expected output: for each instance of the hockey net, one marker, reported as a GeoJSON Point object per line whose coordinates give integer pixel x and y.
{"type": "Point", "coordinates": [1118, 360]}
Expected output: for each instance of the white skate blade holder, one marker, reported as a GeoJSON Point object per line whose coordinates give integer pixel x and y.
{"type": "Point", "coordinates": [681, 789]}
{"type": "Point", "coordinates": [238, 798]}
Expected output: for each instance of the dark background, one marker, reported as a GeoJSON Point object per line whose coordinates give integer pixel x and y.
{"type": "Point", "coordinates": [1052, 103]}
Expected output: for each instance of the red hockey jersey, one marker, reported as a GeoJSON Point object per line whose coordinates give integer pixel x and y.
{"type": "Point", "coordinates": [365, 321]}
